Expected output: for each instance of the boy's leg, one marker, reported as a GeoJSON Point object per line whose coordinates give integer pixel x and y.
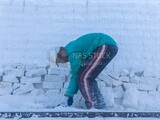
{"type": "Point", "coordinates": [98, 99]}
{"type": "Point", "coordinates": [88, 72]}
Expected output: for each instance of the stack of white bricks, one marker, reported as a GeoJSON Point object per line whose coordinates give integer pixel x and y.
{"type": "Point", "coordinates": [129, 88]}
{"type": "Point", "coordinates": [18, 79]}
{"type": "Point", "coordinates": [133, 24]}
{"type": "Point", "coordinates": [126, 89]}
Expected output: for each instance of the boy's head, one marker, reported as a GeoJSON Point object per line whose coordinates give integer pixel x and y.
{"type": "Point", "coordinates": [62, 56]}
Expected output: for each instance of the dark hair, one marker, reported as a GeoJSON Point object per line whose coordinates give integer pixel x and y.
{"type": "Point", "coordinates": [59, 53]}
{"type": "Point", "coordinates": [61, 57]}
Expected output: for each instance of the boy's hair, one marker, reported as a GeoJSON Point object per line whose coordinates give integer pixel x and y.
{"type": "Point", "coordinates": [60, 55]}
{"type": "Point", "coordinates": [60, 52]}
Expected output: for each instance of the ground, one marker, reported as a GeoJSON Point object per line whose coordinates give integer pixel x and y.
{"type": "Point", "coordinates": [84, 119]}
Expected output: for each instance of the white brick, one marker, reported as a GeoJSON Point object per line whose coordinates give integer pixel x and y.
{"type": "Point", "coordinates": [58, 71]}
{"type": "Point", "coordinates": [38, 85]}
{"type": "Point", "coordinates": [24, 89]}
{"type": "Point", "coordinates": [17, 85]}
{"type": "Point", "coordinates": [42, 65]}
{"type": "Point", "coordinates": [101, 84]}
{"type": "Point", "coordinates": [135, 80]}
{"type": "Point", "coordinates": [65, 85]}
{"type": "Point", "coordinates": [124, 72]}
{"type": "Point", "coordinates": [118, 92]}
{"type": "Point", "coordinates": [36, 72]}
{"type": "Point", "coordinates": [63, 91]}
{"type": "Point", "coordinates": [37, 92]}
{"type": "Point", "coordinates": [130, 85]}
{"type": "Point", "coordinates": [149, 80]}
{"type": "Point", "coordinates": [113, 74]}
{"type": "Point", "coordinates": [19, 72]}
{"type": "Point", "coordinates": [52, 85]}
{"type": "Point", "coordinates": [131, 97]}
{"type": "Point", "coordinates": [54, 78]}
{"type": "Point", "coordinates": [31, 80]}
{"type": "Point", "coordinates": [8, 71]}
{"type": "Point", "coordinates": [29, 67]}
{"type": "Point", "coordinates": [16, 72]}
{"type": "Point", "coordinates": [117, 83]}
{"type": "Point", "coordinates": [64, 65]}
{"type": "Point", "coordinates": [149, 100]}
{"type": "Point", "coordinates": [5, 85]}
{"type": "Point", "coordinates": [10, 78]}
{"type": "Point", "coordinates": [52, 93]}
{"type": "Point", "coordinates": [5, 88]}
{"type": "Point", "coordinates": [145, 87]}
{"type": "Point", "coordinates": [124, 79]}
{"type": "Point", "coordinates": [107, 93]}
{"type": "Point", "coordinates": [104, 77]}
{"type": "Point", "coordinates": [17, 66]}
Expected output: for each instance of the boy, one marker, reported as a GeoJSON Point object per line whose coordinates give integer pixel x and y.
{"type": "Point", "coordinates": [88, 56]}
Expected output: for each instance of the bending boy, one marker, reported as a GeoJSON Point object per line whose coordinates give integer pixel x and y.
{"type": "Point", "coordinates": [88, 56]}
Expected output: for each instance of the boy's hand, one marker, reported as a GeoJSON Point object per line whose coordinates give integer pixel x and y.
{"type": "Point", "coordinates": [70, 101]}
{"type": "Point", "coordinates": [67, 101]}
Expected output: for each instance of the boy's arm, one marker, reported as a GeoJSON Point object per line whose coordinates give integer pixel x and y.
{"type": "Point", "coordinates": [73, 84]}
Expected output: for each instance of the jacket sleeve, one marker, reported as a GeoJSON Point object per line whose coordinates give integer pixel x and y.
{"type": "Point", "coordinates": [73, 84]}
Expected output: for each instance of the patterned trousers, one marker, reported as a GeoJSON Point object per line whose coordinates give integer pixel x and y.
{"type": "Point", "coordinates": [89, 71]}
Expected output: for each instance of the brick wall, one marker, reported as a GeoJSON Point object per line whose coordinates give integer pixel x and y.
{"type": "Point", "coordinates": [44, 87]}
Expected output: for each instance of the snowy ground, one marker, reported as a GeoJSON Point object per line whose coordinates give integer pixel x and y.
{"type": "Point", "coordinates": [97, 118]}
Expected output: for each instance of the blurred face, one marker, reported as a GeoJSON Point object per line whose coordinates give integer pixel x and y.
{"type": "Point", "coordinates": [62, 56]}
